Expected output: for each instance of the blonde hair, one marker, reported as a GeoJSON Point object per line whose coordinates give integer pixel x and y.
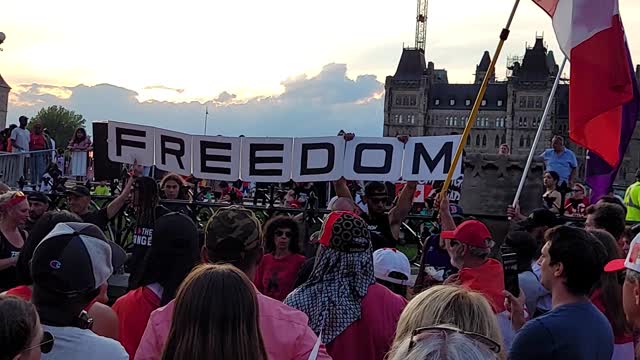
{"type": "Point", "coordinates": [444, 304]}
{"type": "Point", "coordinates": [4, 202]}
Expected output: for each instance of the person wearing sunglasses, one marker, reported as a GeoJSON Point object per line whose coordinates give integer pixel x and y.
{"type": "Point", "coordinates": [14, 211]}
{"type": "Point", "coordinates": [21, 335]}
{"type": "Point", "coordinates": [277, 272]}
{"type": "Point", "coordinates": [446, 342]}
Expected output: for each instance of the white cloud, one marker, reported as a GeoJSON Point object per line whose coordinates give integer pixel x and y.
{"type": "Point", "coordinates": [309, 106]}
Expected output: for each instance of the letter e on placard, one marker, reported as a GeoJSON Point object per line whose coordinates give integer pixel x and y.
{"type": "Point", "coordinates": [429, 158]}
{"type": "Point", "coordinates": [375, 159]}
{"type": "Point", "coordinates": [317, 159]}
{"type": "Point", "coordinates": [173, 151]}
{"type": "Point", "coordinates": [129, 143]}
{"type": "Point", "coordinates": [266, 159]}
{"type": "Point", "coordinates": [216, 157]}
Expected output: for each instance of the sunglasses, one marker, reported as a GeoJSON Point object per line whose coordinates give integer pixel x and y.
{"type": "Point", "coordinates": [279, 233]}
{"type": "Point", "coordinates": [489, 343]}
{"type": "Point", "coordinates": [17, 198]}
{"type": "Point", "coordinates": [45, 345]}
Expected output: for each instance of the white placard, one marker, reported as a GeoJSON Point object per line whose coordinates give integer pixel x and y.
{"type": "Point", "coordinates": [374, 159]}
{"type": "Point", "coordinates": [428, 158]}
{"type": "Point", "coordinates": [266, 159]}
{"type": "Point", "coordinates": [129, 143]}
{"type": "Point", "coordinates": [216, 157]}
{"type": "Point", "coordinates": [173, 151]}
{"type": "Point", "coordinates": [317, 159]}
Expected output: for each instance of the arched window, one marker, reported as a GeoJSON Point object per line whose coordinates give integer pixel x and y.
{"type": "Point", "coordinates": [477, 140]}
{"type": "Point", "coordinates": [504, 139]}
{"type": "Point", "coordinates": [405, 101]}
{"type": "Point", "coordinates": [528, 140]}
{"type": "Point", "coordinates": [497, 142]}
{"type": "Point", "coordinates": [468, 140]}
{"type": "Point", "coordinates": [521, 141]}
{"type": "Point", "coordinates": [484, 140]}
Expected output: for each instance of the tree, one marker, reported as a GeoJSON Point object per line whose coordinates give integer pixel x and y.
{"type": "Point", "coordinates": [62, 123]}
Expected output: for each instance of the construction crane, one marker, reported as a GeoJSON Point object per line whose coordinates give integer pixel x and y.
{"type": "Point", "coordinates": [421, 25]}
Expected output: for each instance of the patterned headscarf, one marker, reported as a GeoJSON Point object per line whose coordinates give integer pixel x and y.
{"type": "Point", "coordinates": [343, 272]}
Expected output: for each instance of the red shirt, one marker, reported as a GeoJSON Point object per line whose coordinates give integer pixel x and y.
{"type": "Point", "coordinates": [370, 338]}
{"type": "Point", "coordinates": [37, 142]}
{"type": "Point", "coordinates": [134, 310]}
{"type": "Point", "coordinates": [275, 277]}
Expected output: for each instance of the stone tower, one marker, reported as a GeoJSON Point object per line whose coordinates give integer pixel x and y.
{"type": "Point", "coordinates": [405, 107]}
{"type": "Point", "coordinates": [482, 68]}
{"type": "Point", "coordinates": [4, 102]}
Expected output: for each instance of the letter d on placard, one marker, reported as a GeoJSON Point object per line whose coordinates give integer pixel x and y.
{"type": "Point", "coordinates": [317, 159]}
{"type": "Point", "coordinates": [429, 158]}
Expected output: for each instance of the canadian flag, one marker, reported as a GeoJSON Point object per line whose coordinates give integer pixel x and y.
{"type": "Point", "coordinates": [591, 35]}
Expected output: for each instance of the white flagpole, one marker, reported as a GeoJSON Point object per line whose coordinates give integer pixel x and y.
{"type": "Point", "coordinates": [539, 133]}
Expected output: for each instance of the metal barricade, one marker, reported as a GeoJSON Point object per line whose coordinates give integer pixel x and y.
{"type": "Point", "coordinates": [15, 165]}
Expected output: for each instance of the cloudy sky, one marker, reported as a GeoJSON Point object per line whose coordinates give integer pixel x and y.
{"type": "Point", "coordinates": [283, 67]}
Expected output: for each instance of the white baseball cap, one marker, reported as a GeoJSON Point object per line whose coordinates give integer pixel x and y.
{"type": "Point", "coordinates": [631, 262]}
{"type": "Point", "coordinates": [386, 261]}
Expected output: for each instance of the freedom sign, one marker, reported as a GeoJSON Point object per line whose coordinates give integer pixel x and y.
{"type": "Point", "coordinates": [263, 159]}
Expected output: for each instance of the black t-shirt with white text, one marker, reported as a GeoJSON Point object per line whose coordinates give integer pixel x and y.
{"type": "Point", "coordinates": [142, 240]}
{"type": "Point", "coordinates": [380, 229]}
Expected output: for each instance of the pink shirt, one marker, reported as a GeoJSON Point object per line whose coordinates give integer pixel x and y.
{"type": "Point", "coordinates": [285, 332]}
{"type": "Point", "coordinates": [370, 338]}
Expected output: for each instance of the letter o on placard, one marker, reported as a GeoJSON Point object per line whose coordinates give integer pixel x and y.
{"type": "Point", "coordinates": [359, 168]}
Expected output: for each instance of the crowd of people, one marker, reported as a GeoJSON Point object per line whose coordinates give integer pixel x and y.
{"type": "Point", "coordinates": [245, 290]}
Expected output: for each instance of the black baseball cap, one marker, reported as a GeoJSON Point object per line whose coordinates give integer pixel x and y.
{"type": "Point", "coordinates": [538, 218]}
{"type": "Point", "coordinates": [75, 259]}
{"type": "Point", "coordinates": [78, 190]}
{"type": "Point", "coordinates": [38, 196]}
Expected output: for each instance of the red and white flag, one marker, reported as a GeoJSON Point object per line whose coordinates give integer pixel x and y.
{"type": "Point", "coordinates": [591, 35]}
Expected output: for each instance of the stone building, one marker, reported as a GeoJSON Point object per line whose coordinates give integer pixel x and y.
{"type": "Point", "coordinates": [4, 102]}
{"type": "Point", "coordinates": [420, 101]}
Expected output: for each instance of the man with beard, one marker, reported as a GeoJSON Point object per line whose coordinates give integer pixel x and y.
{"type": "Point", "coordinates": [384, 227]}
{"type": "Point", "coordinates": [38, 205]}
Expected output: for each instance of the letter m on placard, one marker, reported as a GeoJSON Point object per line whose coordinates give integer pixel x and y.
{"type": "Point", "coordinates": [421, 154]}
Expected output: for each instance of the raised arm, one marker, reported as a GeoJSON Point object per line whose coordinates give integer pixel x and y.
{"type": "Point", "coordinates": [446, 220]}
{"type": "Point", "coordinates": [116, 205]}
{"type": "Point", "coordinates": [405, 202]}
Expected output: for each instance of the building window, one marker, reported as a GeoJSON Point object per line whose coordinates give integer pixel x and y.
{"type": "Point", "coordinates": [455, 121]}
{"type": "Point", "coordinates": [499, 102]}
{"type": "Point", "coordinates": [497, 142]}
{"type": "Point", "coordinates": [484, 140]}
{"type": "Point", "coordinates": [399, 119]}
{"type": "Point", "coordinates": [412, 100]}
{"type": "Point", "coordinates": [396, 118]}
{"type": "Point", "coordinates": [467, 102]}
{"type": "Point", "coordinates": [398, 100]}
{"type": "Point", "coordinates": [405, 101]}
{"type": "Point", "coordinates": [520, 121]}
{"type": "Point", "coordinates": [539, 102]}
{"type": "Point", "coordinates": [411, 119]}
{"type": "Point", "coordinates": [436, 102]}
{"type": "Point", "coordinates": [452, 102]}
{"type": "Point", "coordinates": [523, 101]}
{"type": "Point", "coordinates": [477, 140]}
{"type": "Point", "coordinates": [484, 102]}
{"type": "Point", "coordinates": [468, 140]}
{"type": "Point", "coordinates": [521, 141]}
{"type": "Point", "coordinates": [503, 140]}
{"type": "Point", "coordinates": [524, 123]}
{"type": "Point", "coordinates": [528, 140]}
{"type": "Point", "coordinates": [530, 100]}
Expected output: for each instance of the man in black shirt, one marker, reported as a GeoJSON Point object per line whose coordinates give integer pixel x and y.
{"type": "Point", "coordinates": [79, 199]}
{"type": "Point", "coordinates": [384, 228]}
{"type": "Point", "coordinates": [38, 205]}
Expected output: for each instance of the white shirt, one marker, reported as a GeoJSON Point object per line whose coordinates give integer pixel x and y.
{"type": "Point", "coordinates": [73, 343]}
{"type": "Point", "coordinates": [21, 136]}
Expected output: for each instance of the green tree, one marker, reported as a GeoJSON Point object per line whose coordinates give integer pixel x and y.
{"type": "Point", "coordinates": [62, 123]}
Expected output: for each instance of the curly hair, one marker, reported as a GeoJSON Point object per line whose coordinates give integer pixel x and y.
{"type": "Point", "coordinates": [282, 222]}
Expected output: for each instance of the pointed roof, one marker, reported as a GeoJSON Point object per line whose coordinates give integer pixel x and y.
{"type": "Point", "coordinates": [3, 84]}
{"type": "Point", "coordinates": [412, 65]}
{"type": "Point", "coordinates": [551, 60]}
{"type": "Point", "coordinates": [534, 64]}
{"type": "Point", "coordinates": [484, 62]}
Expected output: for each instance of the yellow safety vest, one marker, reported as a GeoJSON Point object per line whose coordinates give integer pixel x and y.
{"type": "Point", "coordinates": [632, 200]}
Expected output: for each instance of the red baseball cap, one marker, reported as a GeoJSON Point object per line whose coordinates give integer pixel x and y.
{"type": "Point", "coordinates": [470, 232]}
